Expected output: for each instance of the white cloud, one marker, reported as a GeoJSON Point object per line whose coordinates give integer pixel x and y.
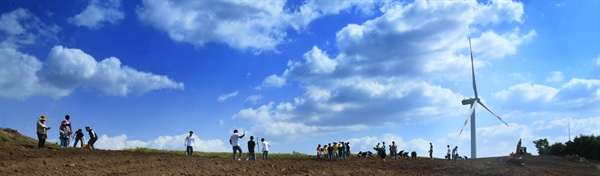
{"type": "Point", "coordinates": [162, 142]}
{"type": "Point", "coordinates": [224, 97]}
{"type": "Point", "coordinates": [527, 92]}
{"type": "Point", "coordinates": [577, 94]}
{"type": "Point", "coordinates": [555, 77]}
{"type": "Point", "coordinates": [598, 60]}
{"type": "Point", "coordinates": [265, 23]}
{"type": "Point", "coordinates": [272, 81]}
{"type": "Point", "coordinates": [319, 62]}
{"type": "Point", "coordinates": [67, 69]}
{"type": "Point", "coordinates": [97, 13]}
{"type": "Point", "coordinates": [21, 27]}
{"type": "Point", "coordinates": [492, 45]}
{"type": "Point", "coordinates": [388, 67]}
{"type": "Point", "coordinates": [253, 99]}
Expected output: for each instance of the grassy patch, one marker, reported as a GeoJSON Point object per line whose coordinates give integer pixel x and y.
{"type": "Point", "coordinates": [294, 154]}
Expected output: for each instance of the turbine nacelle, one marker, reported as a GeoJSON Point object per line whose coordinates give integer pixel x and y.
{"type": "Point", "coordinates": [468, 101]}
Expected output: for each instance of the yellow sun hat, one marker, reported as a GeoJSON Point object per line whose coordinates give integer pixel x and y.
{"type": "Point", "coordinates": [42, 118]}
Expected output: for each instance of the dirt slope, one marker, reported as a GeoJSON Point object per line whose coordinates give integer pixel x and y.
{"type": "Point", "coordinates": [18, 156]}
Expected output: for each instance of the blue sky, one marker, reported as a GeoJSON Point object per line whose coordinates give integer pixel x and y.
{"type": "Point", "coordinates": [144, 73]}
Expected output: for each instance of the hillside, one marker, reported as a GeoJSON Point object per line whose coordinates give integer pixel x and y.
{"type": "Point", "coordinates": [19, 156]}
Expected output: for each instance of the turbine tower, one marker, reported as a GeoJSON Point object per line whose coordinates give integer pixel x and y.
{"type": "Point", "coordinates": [473, 102]}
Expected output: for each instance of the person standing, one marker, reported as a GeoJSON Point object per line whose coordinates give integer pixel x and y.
{"type": "Point", "coordinates": [430, 151]}
{"type": "Point", "coordinates": [66, 127]}
{"type": "Point", "coordinates": [393, 150]}
{"type": "Point", "coordinates": [251, 145]}
{"type": "Point", "coordinates": [79, 137]}
{"type": "Point", "coordinates": [448, 154]}
{"type": "Point", "coordinates": [67, 121]}
{"type": "Point", "coordinates": [234, 141]}
{"type": "Point", "coordinates": [93, 137]}
{"type": "Point", "coordinates": [65, 133]}
{"type": "Point", "coordinates": [348, 150]}
{"type": "Point", "coordinates": [265, 149]}
{"type": "Point", "coordinates": [319, 152]}
{"type": "Point", "coordinates": [42, 131]}
{"type": "Point", "coordinates": [330, 151]}
{"type": "Point", "coordinates": [190, 143]}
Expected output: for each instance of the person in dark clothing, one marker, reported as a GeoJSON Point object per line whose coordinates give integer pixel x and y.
{"type": "Point", "coordinates": [330, 152]}
{"type": "Point", "coordinates": [251, 145]}
{"type": "Point", "coordinates": [79, 137]}
{"type": "Point", "coordinates": [93, 137]}
{"type": "Point", "coordinates": [430, 151]}
{"type": "Point", "coordinates": [413, 155]}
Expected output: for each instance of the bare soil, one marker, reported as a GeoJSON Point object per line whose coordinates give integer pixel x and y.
{"type": "Point", "coordinates": [19, 155]}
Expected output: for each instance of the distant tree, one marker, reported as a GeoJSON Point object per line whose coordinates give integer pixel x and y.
{"type": "Point", "coordinates": [556, 149]}
{"type": "Point", "coordinates": [585, 146]}
{"type": "Point", "coordinates": [542, 146]}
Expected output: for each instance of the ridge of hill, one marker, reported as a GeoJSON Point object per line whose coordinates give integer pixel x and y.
{"type": "Point", "coordinates": [19, 155]}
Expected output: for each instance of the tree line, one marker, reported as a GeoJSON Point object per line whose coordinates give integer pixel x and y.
{"type": "Point", "coordinates": [582, 145]}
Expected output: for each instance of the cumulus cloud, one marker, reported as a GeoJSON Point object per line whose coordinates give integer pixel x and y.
{"type": "Point", "coordinates": [224, 97]}
{"type": "Point", "coordinates": [67, 69]}
{"type": "Point", "coordinates": [97, 13]}
{"type": "Point", "coordinates": [265, 23]}
{"type": "Point", "coordinates": [120, 142]}
{"type": "Point", "coordinates": [387, 68]}
{"type": "Point", "coordinates": [577, 94]}
{"type": "Point", "coordinates": [272, 81]}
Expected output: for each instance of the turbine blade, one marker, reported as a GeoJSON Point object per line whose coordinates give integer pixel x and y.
{"type": "Point", "coordinates": [473, 69]}
{"type": "Point", "coordinates": [467, 120]}
{"type": "Point", "coordinates": [478, 101]}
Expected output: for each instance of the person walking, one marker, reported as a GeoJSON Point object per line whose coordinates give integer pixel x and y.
{"type": "Point", "coordinates": [430, 151]}
{"type": "Point", "coordinates": [79, 137]}
{"type": "Point", "coordinates": [251, 146]}
{"type": "Point", "coordinates": [93, 137]}
{"type": "Point", "coordinates": [42, 131]}
{"type": "Point", "coordinates": [190, 143]}
{"type": "Point", "coordinates": [265, 149]}
{"type": "Point", "coordinates": [348, 150]}
{"type": "Point", "coordinates": [234, 141]}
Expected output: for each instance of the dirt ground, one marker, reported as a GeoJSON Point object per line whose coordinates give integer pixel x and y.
{"type": "Point", "coordinates": [21, 157]}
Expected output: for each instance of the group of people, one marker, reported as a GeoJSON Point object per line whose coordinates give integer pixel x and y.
{"type": "Point", "coordinates": [190, 143]}
{"type": "Point", "coordinates": [65, 133]}
{"type": "Point", "coordinates": [337, 151]}
{"type": "Point", "coordinates": [234, 141]}
{"type": "Point", "coordinates": [454, 155]}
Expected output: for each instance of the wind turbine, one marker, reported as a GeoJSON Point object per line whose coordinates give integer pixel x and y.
{"type": "Point", "coordinates": [473, 102]}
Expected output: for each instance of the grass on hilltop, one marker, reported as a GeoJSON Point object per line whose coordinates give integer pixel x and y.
{"type": "Point", "coordinates": [294, 154]}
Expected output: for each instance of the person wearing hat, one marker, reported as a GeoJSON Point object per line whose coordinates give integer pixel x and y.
{"type": "Point", "coordinates": [42, 131]}
{"type": "Point", "coordinates": [190, 143]}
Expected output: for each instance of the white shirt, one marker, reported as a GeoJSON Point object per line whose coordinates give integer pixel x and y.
{"type": "Point", "coordinates": [234, 139]}
{"type": "Point", "coordinates": [265, 146]}
{"type": "Point", "coordinates": [189, 141]}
